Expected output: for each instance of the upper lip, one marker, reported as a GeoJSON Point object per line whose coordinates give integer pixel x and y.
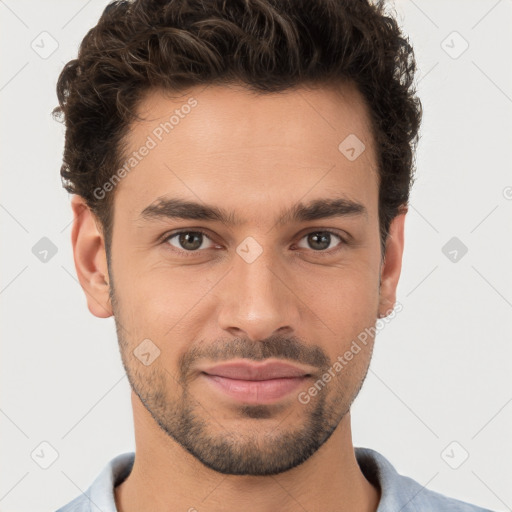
{"type": "Point", "coordinates": [255, 371]}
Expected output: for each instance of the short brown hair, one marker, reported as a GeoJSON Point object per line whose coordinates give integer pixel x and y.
{"type": "Point", "coordinates": [266, 45]}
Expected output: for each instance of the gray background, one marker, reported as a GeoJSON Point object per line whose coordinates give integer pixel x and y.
{"type": "Point", "coordinates": [439, 388]}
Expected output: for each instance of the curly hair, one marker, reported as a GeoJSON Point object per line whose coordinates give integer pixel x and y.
{"type": "Point", "coordinates": [266, 45]}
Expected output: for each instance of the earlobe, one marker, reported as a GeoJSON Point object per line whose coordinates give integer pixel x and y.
{"type": "Point", "coordinates": [392, 265]}
{"type": "Point", "coordinates": [90, 258]}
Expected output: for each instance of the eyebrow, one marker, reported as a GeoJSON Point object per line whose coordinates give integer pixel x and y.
{"type": "Point", "coordinates": [175, 208]}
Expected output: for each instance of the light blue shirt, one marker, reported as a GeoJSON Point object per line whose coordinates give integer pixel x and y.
{"type": "Point", "coordinates": [398, 493]}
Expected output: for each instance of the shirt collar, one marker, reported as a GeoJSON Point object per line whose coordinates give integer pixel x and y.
{"type": "Point", "coordinates": [397, 492]}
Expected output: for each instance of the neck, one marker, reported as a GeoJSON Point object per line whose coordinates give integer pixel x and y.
{"type": "Point", "coordinates": [167, 477]}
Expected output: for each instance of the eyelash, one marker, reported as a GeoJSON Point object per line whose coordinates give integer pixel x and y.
{"type": "Point", "coordinates": [168, 236]}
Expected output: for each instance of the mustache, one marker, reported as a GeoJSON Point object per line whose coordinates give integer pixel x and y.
{"type": "Point", "coordinates": [279, 347]}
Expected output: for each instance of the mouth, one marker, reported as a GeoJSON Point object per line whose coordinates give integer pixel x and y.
{"type": "Point", "coordinates": [254, 383]}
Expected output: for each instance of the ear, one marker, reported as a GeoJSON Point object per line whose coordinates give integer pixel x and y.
{"type": "Point", "coordinates": [90, 258]}
{"type": "Point", "coordinates": [392, 265]}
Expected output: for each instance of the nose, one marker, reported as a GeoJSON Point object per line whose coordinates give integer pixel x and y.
{"type": "Point", "coordinates": [257, 299]}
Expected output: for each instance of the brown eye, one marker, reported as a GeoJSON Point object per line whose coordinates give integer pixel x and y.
{"type": "Point", "coordinates": [188, 241]}
{"type": "Point", "coordinates": [320, 240]}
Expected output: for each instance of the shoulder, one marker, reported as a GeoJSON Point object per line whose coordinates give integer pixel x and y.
{"type": "Point", "coordinates": [399, 492]}
{"type": "Point", "coordinates": [79, 504]}
{"type": "Point", "coordinates": [99, 497]}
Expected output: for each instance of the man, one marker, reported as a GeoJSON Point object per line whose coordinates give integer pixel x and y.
{"type": "Point", "coordinates": [241, 173]}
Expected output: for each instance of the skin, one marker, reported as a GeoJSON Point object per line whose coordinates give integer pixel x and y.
{"type": "Point", "coordinates": [254, 155]}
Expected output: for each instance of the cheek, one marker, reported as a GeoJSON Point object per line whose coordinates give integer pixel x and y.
{"type": "Point", "coordinates": [346, 293]}
{"type": "Point", "coordinates": [160, 302]}
{"type": "Point", "coordinates": [346, 301]}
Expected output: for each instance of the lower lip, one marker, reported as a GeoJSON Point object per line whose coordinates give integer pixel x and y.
{"type": "Point", "coordinates": [256, 391]}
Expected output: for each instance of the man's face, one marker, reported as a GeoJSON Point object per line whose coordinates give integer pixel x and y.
{"type": "Point", "coordinates": [269, 288]}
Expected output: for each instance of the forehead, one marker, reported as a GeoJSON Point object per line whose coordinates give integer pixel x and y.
{"type": "Point", "coordinates": [231, 146]}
